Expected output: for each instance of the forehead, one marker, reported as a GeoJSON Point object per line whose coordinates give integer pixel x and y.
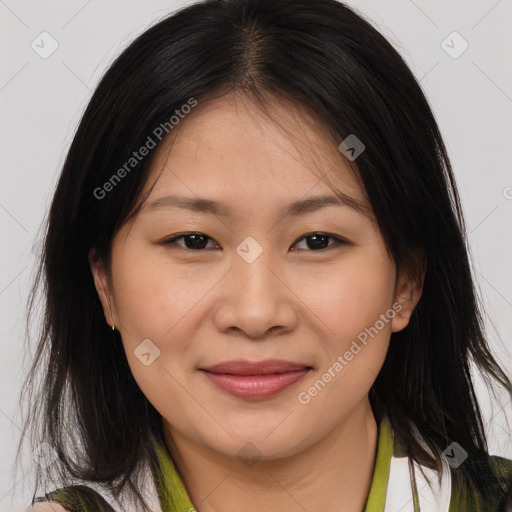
{"type": "Point", "coordinates": [230, 146]}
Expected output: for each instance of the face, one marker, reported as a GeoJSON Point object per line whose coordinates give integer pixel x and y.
{"type": "Point", "coordinates": [191, 288]}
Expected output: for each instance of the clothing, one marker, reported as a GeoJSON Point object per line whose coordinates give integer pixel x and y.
{"type": "Point", "coordinates": [392, 488]}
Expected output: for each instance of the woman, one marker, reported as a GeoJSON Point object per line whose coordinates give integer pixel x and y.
{"type": "Point", "coordinates": [203, 349]}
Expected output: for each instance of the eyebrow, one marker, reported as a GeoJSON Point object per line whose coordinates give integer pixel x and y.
{"type": "Point", "coordinates": [300, 207]}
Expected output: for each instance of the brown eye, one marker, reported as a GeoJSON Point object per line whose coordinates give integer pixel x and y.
{"type": "Point", "coordinates": [320, 241]}
{"type": "Point", "coordinates": [315, 242]}
{"type": "Point", "coordinates": [192, 241]}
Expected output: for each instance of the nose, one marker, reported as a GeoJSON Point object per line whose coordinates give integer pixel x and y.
{"type": "Point", "coordinates": [256, 300]}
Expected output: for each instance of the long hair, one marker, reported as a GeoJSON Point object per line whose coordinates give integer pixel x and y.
{"type": "Point", "coordinates": [321, 55]}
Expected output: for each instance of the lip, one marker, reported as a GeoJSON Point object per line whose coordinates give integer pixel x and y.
{"type": "Point", "coordinates": [255, 380]}
{"type": "Point", "coordinates": [243, 367]}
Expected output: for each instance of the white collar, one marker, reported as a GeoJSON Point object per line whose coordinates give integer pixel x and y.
{"type": "Point", "coordinates": [399, 495]}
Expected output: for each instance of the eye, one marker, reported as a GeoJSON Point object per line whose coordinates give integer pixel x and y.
{"type": "Point", "coordinates": [198, 241]}
{"type": "Point", "coordinates": [193, 241]}
{"type": "Point", "coordinates": [320, 241]}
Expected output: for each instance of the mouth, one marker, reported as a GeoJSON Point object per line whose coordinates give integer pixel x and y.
{"type": "Point", "coordinates": [255, 380]}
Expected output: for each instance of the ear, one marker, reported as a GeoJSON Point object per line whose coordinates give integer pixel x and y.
{"type": "Point", "coordinates": [408, 291]}
{"type": "Point", "coordinates": [102, 284]}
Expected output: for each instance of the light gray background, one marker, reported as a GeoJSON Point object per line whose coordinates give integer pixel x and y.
{"type": "Point", "coordinates": [42, 101]}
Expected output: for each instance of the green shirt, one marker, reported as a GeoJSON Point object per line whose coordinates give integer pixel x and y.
{"type": "Point", "coordinates": [393, 487]}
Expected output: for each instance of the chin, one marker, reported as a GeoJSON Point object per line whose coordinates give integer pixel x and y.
{"type": "Point", "coordinates": [259, 446]}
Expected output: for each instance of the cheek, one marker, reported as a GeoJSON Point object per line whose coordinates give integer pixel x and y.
{"type": "Point", "coordinates": [354, 295]}
{"type": "Point", "coordinates": [151, 302]}
{"type": "Point", "coordinates": [152, 296]}
{"type": "Point", "coordinates": [356, 337]}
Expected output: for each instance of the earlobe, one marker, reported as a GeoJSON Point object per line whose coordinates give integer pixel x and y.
{"type": "Point", "coordinates": [409, 291]}
{"type": "Point", "coordinates": [405, 304]}
{"type": "Point", "coordinates": [101, 283]}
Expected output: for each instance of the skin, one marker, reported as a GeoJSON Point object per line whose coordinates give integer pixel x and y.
{"type": "Point", "coordinates": [294, 302]}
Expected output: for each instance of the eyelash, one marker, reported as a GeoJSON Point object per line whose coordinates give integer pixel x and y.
{"type": "Point", "coordinates": [337, 241]}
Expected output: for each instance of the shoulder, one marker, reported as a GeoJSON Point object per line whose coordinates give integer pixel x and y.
{"type": "Point", "coordinates": [498, 476]}
{"type": "Point", "coordinates": [77, 498]}
{"type": "Point", "coordinates": [502, 466]}
{"type": "Point", "coordinates": [47, 506]}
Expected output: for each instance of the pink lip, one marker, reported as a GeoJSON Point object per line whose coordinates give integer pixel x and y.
{"type": "Point", "coordinates": [255, 380]}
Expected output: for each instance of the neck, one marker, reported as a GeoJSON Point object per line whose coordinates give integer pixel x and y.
{"type": "Point", "coordinates": [333, 475]}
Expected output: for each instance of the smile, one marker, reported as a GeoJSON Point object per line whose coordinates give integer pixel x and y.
{"type": "Point", "coordinates": [255, 387]}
